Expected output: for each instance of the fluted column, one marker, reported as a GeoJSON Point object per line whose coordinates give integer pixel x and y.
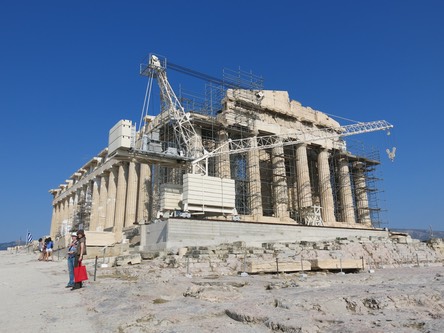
{"type": "Point", "coordinates": [70, 213]}
{"type": "Point", "coordinates": [155, 199]}
{"type": "Point", "coordinates": [119, 218]}
{"type": "Point", "coordinates": [65, 214]}
{"type": "Point", "coordinates": [223, 160]}
{"type": "Point", "coordinates": [345, 192]}
{"type": "Point", "coordinates": [85, 196]}
{"type": "Point", "coordinates": [61, 216]}
{"type": "Point", "coordinates": [111, 200]}
{"type": "Point", "coordinates": [75, 209]}
{"type": "Point", "coordinates": [255, 181]}
{"type": "Point", "coordinates": [325, 189]}
{"type": "Point", "coordinates": [293, 187]}
{"type": "Point", "coordinates": [53, 221]}
{"type": "Point", "coordinates": [131, 195]}
{"type": "Point", "coordinates": [144, 198]}
{"type": "Point", "coordinates": [280, 191]}
{"type": "Point", "coordinates": [361, 194]}
{"type": "Point", "coordinates": [195, 143]}
{"type": "Point", "coordinates": [103, 197]}
{"type": "Point", "coordinates": [94, 220]}
{"type": "Point", "coordinates": [303, 177]}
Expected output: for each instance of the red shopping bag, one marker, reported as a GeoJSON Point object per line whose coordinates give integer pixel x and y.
{"type": "Point", "coordinates": [80, 273]}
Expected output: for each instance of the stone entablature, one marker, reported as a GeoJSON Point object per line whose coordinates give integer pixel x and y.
{"type": "Point", "coordinates": [272, 112]}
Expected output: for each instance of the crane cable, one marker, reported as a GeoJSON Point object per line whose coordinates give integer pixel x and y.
{"type": "Point", "coordinates": [146, 102]}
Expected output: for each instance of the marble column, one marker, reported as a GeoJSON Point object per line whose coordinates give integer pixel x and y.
{"type": "Point", "coordinates": [223, 160]}
{"type": "Point", "coordinates": [345, 192]}
{"type": "Point", "coordinates": [102, 202]}
{"type": "Point", "coordinates": [85, 214]}
{"type": "Point", "coordinates": [119, 218]}
{"type": "Point", "coordinates": [361, 194]}
{"type": "Point", "coordinates": [254, 181]}
{"type": "Point", "coordinates": [94, 219]}
{"type": "Point", "coordinates": [303, 177]}
{"type": "Point", "coordinates": [131, 195]}
{"type": "Point", "coordinates": [71, 206]}
{"type": "Point", "coordinates": [195, 143]}
{"type": "Point", "coordinates": [143, 204]}
{"type": "Point", "coordinates": [325, 189]}
{"type": "Point", "coordinates": [61, 216]}
{"type": "Point", "coordinates": [111, 198]}
{"type": "Point", "coordinates": [280, 191]}
{"type": "Point", "coordinates": [155, 189]}
{"type": "Point", "coordinates": [54, 223]}
{"type": "Point", "coordinates": [65, 214]}
{"type": "Point", "coordinates": [75, 209]}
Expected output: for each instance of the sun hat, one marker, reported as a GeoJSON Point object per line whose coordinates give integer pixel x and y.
{"type": "Point", "coordinates": [74, 234]}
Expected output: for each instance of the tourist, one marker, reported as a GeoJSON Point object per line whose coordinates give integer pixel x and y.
{"type": "Point", "coordinates": [49, 248]}
{"type": "Point", "coordinates": [72, 251]}
{"type": "Point", "coordinates": [42, 249]}
{"type": "Point", "coordinates": [80, 252]}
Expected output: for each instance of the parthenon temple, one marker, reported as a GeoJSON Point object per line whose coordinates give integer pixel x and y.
{"type": "Point", "coordinates": [143, 177]}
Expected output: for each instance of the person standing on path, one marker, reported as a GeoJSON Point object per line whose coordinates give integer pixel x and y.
{"type": "Point", "coordinates": [49, 248]}
{"type": "Point", "coordinates": [80, 252]}
{"type": "Point", "coordinates": [42, 249]}
{"type": "Point", "coordinates": [72, 251]}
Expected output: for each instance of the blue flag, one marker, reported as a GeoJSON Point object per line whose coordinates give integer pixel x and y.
{"type": "Point", "coordinates": [29, 237]}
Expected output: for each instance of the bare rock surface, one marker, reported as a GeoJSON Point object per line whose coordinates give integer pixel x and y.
{"type": "Point", "coordinates": [152, 298]}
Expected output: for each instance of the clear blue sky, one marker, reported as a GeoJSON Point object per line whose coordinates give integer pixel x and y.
{"type": "Point", "coordinates": [69, 72]}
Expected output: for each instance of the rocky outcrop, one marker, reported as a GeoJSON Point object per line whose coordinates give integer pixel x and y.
{"type": "Point", "coordinates": [199, 289]}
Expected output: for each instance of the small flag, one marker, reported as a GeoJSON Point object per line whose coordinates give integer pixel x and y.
{"type": "Point", "coordinates": [29, 237]}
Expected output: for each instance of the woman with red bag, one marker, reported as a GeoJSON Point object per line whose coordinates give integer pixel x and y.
{"type": "Point", "coordinates": [72, 252]}
{"type": "Point", "coordinates": [81, 251]}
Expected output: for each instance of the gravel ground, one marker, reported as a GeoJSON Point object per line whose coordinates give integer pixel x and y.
{"type": "Point", "coordinates": [152, 297]}
{"type": "Point", "coordinates": [34, 297]}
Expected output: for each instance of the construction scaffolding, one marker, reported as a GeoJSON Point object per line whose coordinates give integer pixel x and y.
{"type": "Point", "coordinates": [265, 179]}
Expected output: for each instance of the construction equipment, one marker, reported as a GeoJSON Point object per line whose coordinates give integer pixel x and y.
{"type": "Point", "coordinates": [206, 194]}
{"type": "Point", "coordinates": [172, 111]}
{"type": "Point", "coordinates": [187, 140]}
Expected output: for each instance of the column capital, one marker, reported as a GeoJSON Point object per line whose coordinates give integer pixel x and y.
{"type": "Point", "coordinates": [359, 165]}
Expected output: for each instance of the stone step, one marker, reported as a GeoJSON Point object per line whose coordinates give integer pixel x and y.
{"type": "Point", "coordinates": [336, 264]}
{"type": "Point", "coordinates": [271, 266]}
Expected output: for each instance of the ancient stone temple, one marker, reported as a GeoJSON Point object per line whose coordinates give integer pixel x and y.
{"type": "Point", "coordinates": [257, 158]}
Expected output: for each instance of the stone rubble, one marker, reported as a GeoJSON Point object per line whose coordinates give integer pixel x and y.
{"type": "Point", "coordinates": [201, 290]}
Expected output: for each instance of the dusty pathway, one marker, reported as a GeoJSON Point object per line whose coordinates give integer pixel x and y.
{"type": "Point", "coordinates": [34, 297]}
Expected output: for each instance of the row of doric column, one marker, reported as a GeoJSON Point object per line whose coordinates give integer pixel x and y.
{"type": "Point", "coordinates": [118, 195]}
{"type": "Point", "coordinates": [346, 202]}
{"type": "Point", "coordinates": [116, 198]}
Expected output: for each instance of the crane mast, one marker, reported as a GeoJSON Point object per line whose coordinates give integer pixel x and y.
{"type": "Point", "coordinates": [173, 112]}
